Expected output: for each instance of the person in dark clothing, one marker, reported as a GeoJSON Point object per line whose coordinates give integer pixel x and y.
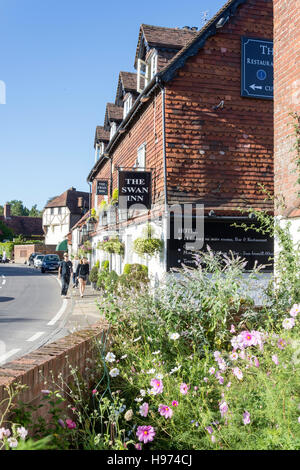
{"type": "Point", "coordinates": [64, 273]}
{"type": "Point", "coordinates": [82, 273]}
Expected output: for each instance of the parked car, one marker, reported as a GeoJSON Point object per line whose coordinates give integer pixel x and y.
{"type": "Point", "coordinates": [50, 263]}
{"type": "Point", "coordinates": [37, 262]}
{"type": "Point", "coordinates": [31, 258]}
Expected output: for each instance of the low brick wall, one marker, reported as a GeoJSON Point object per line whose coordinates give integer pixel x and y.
{"type": "Point", "coordinates": [35, 369]}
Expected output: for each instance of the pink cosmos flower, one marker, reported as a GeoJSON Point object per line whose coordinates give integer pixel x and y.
{"type": "Point", "coordinates": [222, 365]}
{"type": "Point", "coordinates": [211, 370]}
{"type": "Point", "coordinates": [94, 391]}
{"type": "Point", "coordinates": [228, 385]}
{"type": "Point", "coordinates": [184, 388]}
{"type": "Point", "coordinates": [157, 386]}
{"type": "Point", "coordinates": [246, 418]}
{"type": "Point", "coordinates": [71, 424]}
{"type": "Point", "coordinates": [288, 323]}
{"type": "Point", "coordinates": [205, 379]}
{"type": "Point", "coordinates": [165, 411]}
{"type": "Point", "coordinates": [275, 359]}
{"type": "Point", "coordinates": [4, 433]}
{"type": "Point", "coordinates": [221, 380]}
{"type": "Point", "coordinates": [138, 446]}
{"type": "Point", "coordinates": [295, 310]}
{"type": "Point", "coordinates": [234, 356]}
{"type": "Point", "coordinates": [145, 434]}
{"type": "Point", "coordinates": [174, 403]}
{"type": "Point", "coordinates": [232, 329]}
{"type": "Point", "coordinates": [256, 361]}
{"type": "Point", "coordinates": [238, 373]}
{"type": "Point", "coordinates": [144, 408]}
{"type": "Point", "coordinates": [217, 355]}
{"type": "Point", "coordinates": [213, 439]}
{"type": "Point", "coordinates": [223, 408]}
{"type": "Point", "coordinates": [281, 343]}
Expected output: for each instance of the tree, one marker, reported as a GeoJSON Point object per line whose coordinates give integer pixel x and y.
{"type": "Point", "coordinates": [17, 208]}
{"type": "Point", "coordinates": [34, 212]}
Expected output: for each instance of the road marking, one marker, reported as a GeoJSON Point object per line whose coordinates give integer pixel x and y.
{"type": "Point", "coordinates": [36, 336]}
{"type": "Point", "coordinates": [5, 356]}
{"type": "Point", "coordinates": [59, 313]}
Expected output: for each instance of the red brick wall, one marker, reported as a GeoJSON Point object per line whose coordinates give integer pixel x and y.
{"type": "Point", "coordinates": [35, 370]}
{"type": "Point", "coordinates": [218, 157]}
{"type": "Point", "coordinates": [146, 128]}
{"type": "Point", "coordinates": [286, 95]}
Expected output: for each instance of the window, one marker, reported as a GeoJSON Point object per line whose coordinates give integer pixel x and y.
{"type": "Point", "coordinates": [127, 105]}
{"type": "Point", "coordinates": [143, 75]}
{"type": "Point", "coordinates": [99, 150]}
{"type": "Point", "coordinates": [59, 210]}
{"type": "Point", "coordinates": [153, 65]}
{"type": "Point", "coordinates": [113, 129]}
{"type": "Point", "coordinates": [52, 210]}
{"type": "Point", "coordinates": [141, 157]}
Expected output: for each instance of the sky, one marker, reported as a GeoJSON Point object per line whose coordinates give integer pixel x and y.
{"type": "Point", "coordinates": [60, 61]}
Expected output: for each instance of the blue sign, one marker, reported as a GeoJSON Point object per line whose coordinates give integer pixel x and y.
{"type": "Point", "coordinates": [257, 68]}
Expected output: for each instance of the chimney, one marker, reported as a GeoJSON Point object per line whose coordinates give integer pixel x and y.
{"type": "Point", "coordinates": [7, 211]}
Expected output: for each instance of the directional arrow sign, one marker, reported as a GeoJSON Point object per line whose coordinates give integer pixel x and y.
{"type": "Point", "coordinates": [255, 87]}
{"type": "Point", "coordinates": [257, 68]}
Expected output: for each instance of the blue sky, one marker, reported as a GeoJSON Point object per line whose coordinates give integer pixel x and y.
{"type": "Point", "coordinates": [60, 61]}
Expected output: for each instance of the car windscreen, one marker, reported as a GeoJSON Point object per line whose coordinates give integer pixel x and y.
{"type": "Point", "coordinates": [40, 257]}
{"type": "Point", "coordinates": [51, 258]}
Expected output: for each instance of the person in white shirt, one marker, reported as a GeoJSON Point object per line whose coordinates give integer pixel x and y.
{"type": "Point", "coordinates": [75, 266]}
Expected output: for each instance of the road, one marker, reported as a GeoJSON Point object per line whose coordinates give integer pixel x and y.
{"type": "Point", "coordinates": [31, 310]}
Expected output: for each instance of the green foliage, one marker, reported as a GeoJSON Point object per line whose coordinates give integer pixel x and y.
{"type": "Point", "coordinates": [103, 206]}
{"type": "Point", "coordinates": [17, 208]}
{"type": "Point", "coordinates": [135, 276]}
{"type": "Point", "coordinates": [105, 265]}
{"type": "Point", "coordinates": [107, 281]}
{"type": "Point", "coordinates": [5, 232]}
{"type": "Point", "coordinates": [113, 245]}
{"type": "Point", "coordinates": [147, 244]}
{"type": "Point", "coordinates": [94, 274]}
{"type": "Point", "coordinates": [115, 197]}
{"type": "Point", "coordinates": [8, 247]}
{"type": "Point", "coordinates": [296, 146]}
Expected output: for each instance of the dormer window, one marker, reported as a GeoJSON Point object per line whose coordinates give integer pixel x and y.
{"type": "Point", "coordinates": [99, 150]}
{"type": "Point", "coordinates": [146, 71]}
{"type": "Point", "coordinates": [153, 65]}
{"type": "Point", "coordinates": [127, 105]}
{"type": "Point", "coordinates": [113, 129]}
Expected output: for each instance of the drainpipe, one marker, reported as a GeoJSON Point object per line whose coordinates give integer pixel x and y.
{"type": "Point", "coordinates": [165, 174]}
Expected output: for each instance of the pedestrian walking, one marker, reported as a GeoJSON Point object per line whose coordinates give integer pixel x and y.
{"type": "Point", "coordinates": [75, 266]}
{"type": "Point", "coordinates": [64, 273]}
{"type": "Point", "coordinates": [83, 271]}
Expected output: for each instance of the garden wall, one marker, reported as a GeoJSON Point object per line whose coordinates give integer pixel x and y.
{"type": "Point", "coordinates": [35, 369]}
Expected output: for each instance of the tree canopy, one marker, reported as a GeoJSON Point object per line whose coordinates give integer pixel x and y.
{"type": "Point", "coordinates": [17, 208]}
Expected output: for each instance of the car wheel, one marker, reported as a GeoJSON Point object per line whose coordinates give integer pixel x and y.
{"type": "Point", "coordinates": [42, 270]}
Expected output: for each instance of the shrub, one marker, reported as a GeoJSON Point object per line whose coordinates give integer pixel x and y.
{"type": "Point", "coordinates": [113, 245]}
{"type": "Point", "coordinates": [94, 274]}
{"type": "Point", "coordinates": [107, 281]}
{"type": "Point", "coordinates": [135, 276]}
{"type": "Point", "coordinates": [105, 265]}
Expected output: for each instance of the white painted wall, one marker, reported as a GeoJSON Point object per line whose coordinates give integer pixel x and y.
{"type": "Point", "coordinates": [57, 224]}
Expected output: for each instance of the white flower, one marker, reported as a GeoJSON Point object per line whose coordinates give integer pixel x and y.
{"type": "Point", "coordinates": [136, 339]}
{"type": "Point", "coordinates": [156, 352]}
{"type": "Point", "coordinates": [22, 432]}
{"type": "Point", "coordinates": [288, 323]}
{"type": "Point", "coordinates": [138, 400]}
{"type": "Point", "coordinates": [110, 357]}
{"type": "Point", "coordinates": [142, 392]}
{"type": "Point", "coordinates": [128, 415]}
{"type": "Point", "coordinates": [12, 442]}
{"type": "Point", "coordinates": [4, 432]}
{"type": "Point", "coordinates": [159, 376]}
{"type": "Point", "coordinates": [174, 336]}
{"type": "Point", "coordinates": [149, 339]}
{"type": "Point", "coordinates": [124, 357]}
{"type": "Point", "coordinates": [114, 372]}
{"type": "Point", "coordinates": [151, 371]}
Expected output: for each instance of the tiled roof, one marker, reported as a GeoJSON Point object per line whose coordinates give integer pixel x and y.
{"type": "Point", "coordinates": [101, 135]}
{"type": "Point", "coordinates": [21, 225]}
{"type": "Point", "coordinates": [129, 80]}
{"type": "Point", "coordinates": [114, 113]}
{"type": "Point", "coordinates": [70, 199]}
{"type": "Point", "coordinates": [158, 36]}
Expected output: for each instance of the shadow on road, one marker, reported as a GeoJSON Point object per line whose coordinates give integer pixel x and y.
{"type": "Point", "coordinates": [6, 299]}
{"type": "Point", "coordinates": [13, 320]}
{"type": "Point", "coordinates": [12, 271]}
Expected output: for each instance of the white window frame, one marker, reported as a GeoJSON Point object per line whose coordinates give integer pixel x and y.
{"type": "Point", "coordinates": [143, 71]}
{"type": "Point", "coordinates": [153, 64]}
{"type": "Point", "coordinates": [127, 105]}
{"type": "Point", "coordinates": [141, 157]}
{"type": "Point", "coordinates": [113, 129]}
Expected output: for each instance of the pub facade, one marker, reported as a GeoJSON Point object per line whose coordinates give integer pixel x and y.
{"type": "Point", "coordinates": [190, 133]}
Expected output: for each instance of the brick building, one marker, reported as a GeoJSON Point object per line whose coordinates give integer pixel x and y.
{"type": "Point", "coordinates": [286, 101]}
{"type": "Point", "coordinates": [28, 227]}
{"type": "Point", "coordinates": [188, 123]}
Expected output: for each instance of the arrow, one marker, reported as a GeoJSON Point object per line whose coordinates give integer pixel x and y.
{"type": "Point", "coordinates": [255, 87]}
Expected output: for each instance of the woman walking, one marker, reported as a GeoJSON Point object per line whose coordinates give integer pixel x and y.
{"type": "Point", "coordinates": [83, 271]}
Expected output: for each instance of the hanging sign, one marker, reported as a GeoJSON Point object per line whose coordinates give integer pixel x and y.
{"type": "Point", "coordinates": [135, 186]}
{"type": "Point", "coordinates": [102, 188]}
{"type": "Point", "coordinates": [257, 68]}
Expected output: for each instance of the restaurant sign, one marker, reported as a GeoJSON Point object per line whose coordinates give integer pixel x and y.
{"type": "Point", "coordinates": [257, 68]}
{"type": "Point", "coordinates": [135, 188]}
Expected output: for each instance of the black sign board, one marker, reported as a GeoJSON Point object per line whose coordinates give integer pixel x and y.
{"type": "Point", "coordinates": [221, 236]}
{"type": "Point", "coordinates": [102, 188]}
{"type": "Point", "coordinates": [135, 188]}
{"type": "Point", "coordinates": [257, 68]}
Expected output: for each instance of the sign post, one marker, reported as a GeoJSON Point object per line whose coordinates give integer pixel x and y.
{"type": "Point", "coordinates": [257, 68]}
